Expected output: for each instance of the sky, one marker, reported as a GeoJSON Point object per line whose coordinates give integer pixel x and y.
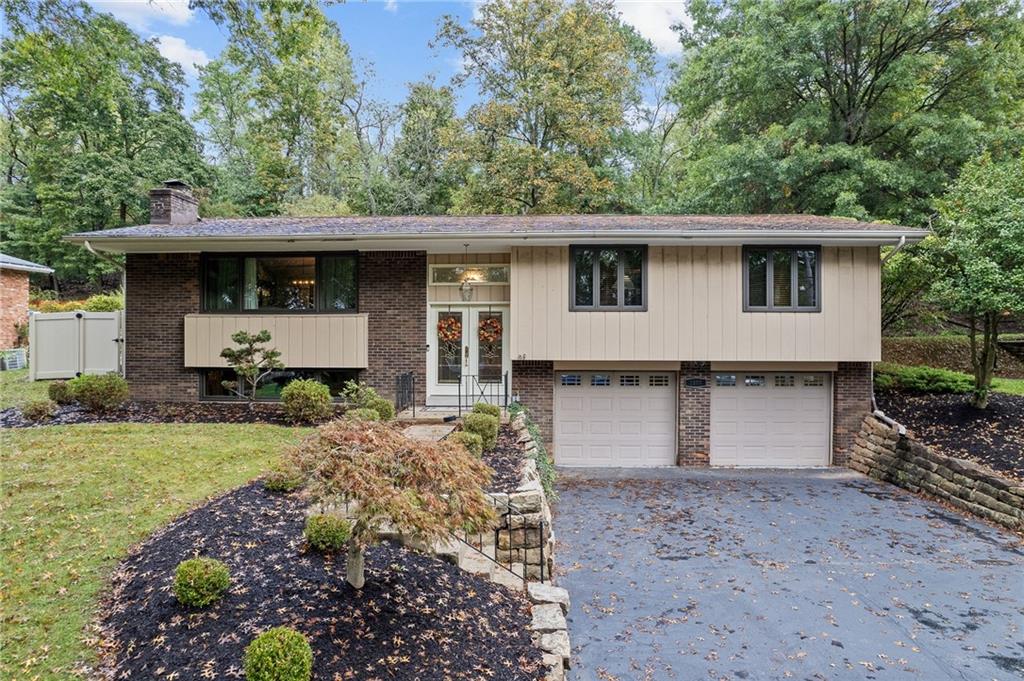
{"type": "Point", "coordinates": [391, 38]}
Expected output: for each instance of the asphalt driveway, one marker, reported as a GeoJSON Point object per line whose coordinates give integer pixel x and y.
{"type": "Point", "coordinates": [677, 574]}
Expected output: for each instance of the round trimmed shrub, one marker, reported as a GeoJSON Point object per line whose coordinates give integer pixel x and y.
{"type": "Point", "coordinates": [383, 407]}
{"type": "Point", "coordinates": [99, 392]}
{"type": "Point", "coordinates": [327, 533]}
{"type": "Point", "coordinates": [471, 441]}
{"type": "Point", "coordinates": [200, 581]}
{"type": "Point", "coordinates": [279, 654]}
{"type": "Point", "coordinates": [60, 392]}
{"type": "Point", "coordinates": [307, 401]}
{"type": "Point", "coordinates": [362, 414]}
{"type": "Point", "coordinates": [489, 409]}
{"type": "Point", "coordinates": [39, 410]}
{"type": "Point", "coordinates": [483, 425]}
{"type": "Point", "coordinates": [282, 480]}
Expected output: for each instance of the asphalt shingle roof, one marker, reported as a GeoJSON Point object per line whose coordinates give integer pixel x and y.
{"type": "Point", "coordinates": [9, 262]}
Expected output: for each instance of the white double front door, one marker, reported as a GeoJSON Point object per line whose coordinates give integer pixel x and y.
{"type": "Point", "coordinates": [468, 355]}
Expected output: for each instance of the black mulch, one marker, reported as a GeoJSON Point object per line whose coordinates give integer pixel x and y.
{"type": "Point", "coordinates": [992, 436]}
{"type": "Point", "coordinates": [507, 461]}
{"type": "Point", "coordinates": [156, 412]}
{"type": "Point", "coordinates": [416, 618]}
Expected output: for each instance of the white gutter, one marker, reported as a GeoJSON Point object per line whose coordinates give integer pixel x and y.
{"type": "Point", "coordinates": [101, 256]}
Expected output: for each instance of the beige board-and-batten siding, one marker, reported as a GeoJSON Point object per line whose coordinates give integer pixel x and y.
{"type": "Point", "coordinates": [695, 311]}
{"type": "Point", "coordinates": [308, 341]}
{"type": "Point", "coordinates": [482, 293]}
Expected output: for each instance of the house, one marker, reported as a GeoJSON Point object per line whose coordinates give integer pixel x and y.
{"type": "Point", "coordinates": [14, 274]}
{"type": "Point", "coordinates": [635, 340]}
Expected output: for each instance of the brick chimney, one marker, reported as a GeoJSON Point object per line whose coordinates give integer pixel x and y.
{"type": "Point", "coordinates": [173, 204]}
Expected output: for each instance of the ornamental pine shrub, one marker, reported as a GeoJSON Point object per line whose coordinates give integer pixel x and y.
{"type": "Point", "coordinates": [39, 410]}
{"type": "Point", "coordinates": [471, 441]}
{"type": "Point", "coordinates": [485, 426]}
{"type": "Point", "coordinates": [99, 392]}
{"type": "Point", "coordinates": [200, 581]}
{"type": "Point", "coordinates": [362, 414]}
{"type": "Point", "coordinates": [60, 392]}
{"type": "Point", "coordinates": [307, 401]}
{"type": "Point", "coordinates": [489, 409]}
{"type": "Point", "coordinates": [279, 654]}
{"type": "Point", "coordinates": [327, 533]}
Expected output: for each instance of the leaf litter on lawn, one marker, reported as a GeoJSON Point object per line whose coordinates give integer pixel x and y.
{"type": "Point", "coordinates": [417, 617]}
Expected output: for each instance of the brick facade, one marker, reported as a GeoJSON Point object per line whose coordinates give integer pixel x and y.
{"type": "Point", "coordinates": [534, 383]}
{"type": "Point", "coordinates": [851, 402]}
{"type": "Point", "coordinates": [694, 415]}
{"type": "Point", "coordinates": [13, 305]}
{"type": "Point", "coordinates": [393, 292]}
{"type": "Point", "coordinates": [160, 289]}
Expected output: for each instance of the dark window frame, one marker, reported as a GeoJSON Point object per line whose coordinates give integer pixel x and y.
{"type": "Point", "coordinates": [769, 279]}
{"type": "Point", "coordinates": [204, 396]}
{"type": "Point", "coordinates": [596, 279]}
{"type": "Point", "coordinates": [318, 303]}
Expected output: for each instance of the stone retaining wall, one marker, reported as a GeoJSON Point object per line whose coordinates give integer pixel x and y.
{"type": "Point", "coordinates": [881, 451]}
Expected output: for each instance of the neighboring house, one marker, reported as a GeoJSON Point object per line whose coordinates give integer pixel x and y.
{"type": "Point", "coordinates": [635, 340]}
{"type": "Point", "coordinates": [14, 296]}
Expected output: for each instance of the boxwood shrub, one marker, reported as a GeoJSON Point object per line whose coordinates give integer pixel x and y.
{"type": "Point", "coordinates": [39, 410]}
{"type": "Point", "coordinates": [307, 401]}
{"type": "Point", "coordinates": [486, 408]}
{"type": "Point", "coordinates": [327, 533]}
{"type": "Point", "coordinates": [279, 654]}
{"type": "Point", "coordinates": [363, 414]}
{"type": "Point", "coordinates": [485, 426]}
{"type": "Point", "coordinates": [471, 441]}
{"type": "Point", "coordinates": [200, 581]}
{"type": "Point", "coordinates": [99, 392]}
{"type": "Point", "coordinates": [60, 392]}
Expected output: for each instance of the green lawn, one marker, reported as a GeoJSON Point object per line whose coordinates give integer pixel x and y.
{"type": "Point", "coordinates": [73, 499]}
{"type": "Point", "coordinates": [15, 388]}
{"type": "Point", "coordinates": [1013, 386]}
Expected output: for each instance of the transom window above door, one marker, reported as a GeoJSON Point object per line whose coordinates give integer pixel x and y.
{"type": "Point", "coordinates": [608, 278]}
{"type": "Point", "coordinates": [781, 279]}
{"type": "Point", "coordinates": [280, 283]}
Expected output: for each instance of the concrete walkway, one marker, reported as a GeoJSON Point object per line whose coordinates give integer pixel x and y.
{"type": "Point", "coordinates": [683, 574]}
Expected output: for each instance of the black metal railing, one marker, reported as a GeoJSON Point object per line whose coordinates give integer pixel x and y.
{"type": "Point", "coordinates": [405, 392]}
{"type": "Point", "coordinates": [472, 390]}
{"type": "Point", "coordinates": [479, 543]}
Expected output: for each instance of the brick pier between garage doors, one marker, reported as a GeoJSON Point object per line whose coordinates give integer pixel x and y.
{"type": "Point", "coordinates": [697, 415]}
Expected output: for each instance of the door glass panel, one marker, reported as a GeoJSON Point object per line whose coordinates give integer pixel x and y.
{"type": "Point", "coordinates": [449, 347]}
{"type": "Point", "coordinates": [782, 278]}
{"type": "Point", "coordinates": [490, 333]}
{"type": "Point", "coordinates": [584, 288]}
{"type": "Point", "coordinates": [632, 277]}
{"type": "Point", "coordinates": [757, 277]}
{"type": "Point", "coordinates": [609, 273]}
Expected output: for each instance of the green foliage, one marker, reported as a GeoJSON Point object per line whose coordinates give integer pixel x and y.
{"type": "Point", "coordinates": [307, 401]}
{"type": "Point", "coordinates": [545, 466]}
{"type": "Point", "coordinates": [279, 654]}
{"type": "Point", "coordinates": [198, 582]}
{"type": "Point", "coordinates": [60, 392]}
{"type": "Point", "coordinates": [383, 407]}
{"type": "Point", "coordinates": [99, 392]}
{"type": "Point", "coordinates": [484, 425]}
{"type": "Point", "coordinates": [252, 361]}
{"type": "Point", "coordinates": [282, 479]}
{"type": "Point", "coordinates": [363, 414]}
{"type": "Point", "coordinates": [487, 408]}
{"type": "Point", "coordinates": [358, 395]}
{"type": "Point", "coordinates": [104, 302]}
{"type": "Point", "coordinates": [921, 379]}
{"type": "Point", "coordinates": [471, 441]}
{"type": "Point", "coordinates": [327, 533]}
{"type": "Point", "coordinates": [39, 410]}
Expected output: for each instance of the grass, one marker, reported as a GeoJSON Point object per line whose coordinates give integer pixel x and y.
{"type": "Point", "coordinates": [15, 388]}
{"type": "Point", "coordinates": [73, 499]}
{"type": "Point", "coordinates": [1010, 386]}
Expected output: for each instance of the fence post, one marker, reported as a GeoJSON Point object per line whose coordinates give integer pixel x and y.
{"type": "Point", "coordinates": [32, 363]}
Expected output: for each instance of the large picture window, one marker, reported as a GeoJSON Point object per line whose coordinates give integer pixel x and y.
{"type": "Point", "coordinates": [782, 279]}
{"type": "Point", "coordinates": [608, 278]}
{"type": "Point", "coordinates": [213, 387]}
{"type": "Point", "coordinates": [280, 283]}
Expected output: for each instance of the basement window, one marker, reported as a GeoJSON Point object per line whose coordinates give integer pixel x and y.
{"type": "Point", "coordinates": [213, 388]}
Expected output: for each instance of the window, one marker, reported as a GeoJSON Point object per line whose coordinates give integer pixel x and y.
{"type": "Point", "coordinates": [600, 379]}
{"type": "Point", "coordinates": [571, 379]}
{"type": "Point", "coordinates": [753, 381]}
{"type": "Point", "coordinates": [280, 283]}
{"type": "Point", "coordinates": [629, 381]}
{"type": "Point", "coordinates": [335, 379]}
{"type": "Point", "coordinates": [784, 381]}
{"type": "Point", "coordinates": [781, 279]}
{"type": "Point", "coordinates": [725, 380]}
{"type": "Point", "coordinates": [658, 381]}
{"type": "Point", "coordinates": [814, 381]}
{"type": "Point", "coordinates": [453, 275]}
{"type": "Point", "coordinates": [608, 277]}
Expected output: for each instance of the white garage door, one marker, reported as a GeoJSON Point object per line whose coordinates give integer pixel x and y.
{"type": "Point", "coordinates": [770, 420]}
{"type": "Point", "coordinates": [617, 418]}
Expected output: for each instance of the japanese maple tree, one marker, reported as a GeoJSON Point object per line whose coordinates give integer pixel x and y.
{"type": "Point", "coordinates": [419, 488]}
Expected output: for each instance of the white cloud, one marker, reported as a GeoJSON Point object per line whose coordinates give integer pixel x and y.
{"type": "Point", "coordinates": [654, 19]}
{"type": "Point", "coordinates": [391, 6]}
{"type": "Point", "coordinates": [142, 14]}
{"type": "Point", "coordinates": [176, 49]}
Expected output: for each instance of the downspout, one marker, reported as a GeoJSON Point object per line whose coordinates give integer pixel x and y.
{"type": "Point", "coordinates": [899, 247]}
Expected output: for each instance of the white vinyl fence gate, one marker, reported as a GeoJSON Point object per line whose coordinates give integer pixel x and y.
{"type": "Point", "coordinates": [66, 344]}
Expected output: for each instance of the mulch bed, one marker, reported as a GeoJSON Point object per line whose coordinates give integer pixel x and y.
{"type": "Point", "coordinates": [507, 461]}
{"type": "Point", "coordinates": [992, 436]}
{"type": "Point", "coordinates": [156, 412]}
{"type": "Point", "coordinates": [416, 618]}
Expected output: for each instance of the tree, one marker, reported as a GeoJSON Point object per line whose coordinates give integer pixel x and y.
{"type": "Point", "coordinates": [861, 108]}
{"type": "Point", "coordinates": [252, 362]}
{"type": "Point", "coordinates": [906, 278]}
{"type": "Point", "coordinates": [556, 79]}
{"type": "Point", "coordinates": [980, 256]}
{"type": "Point", "coordinates": [423, 489]}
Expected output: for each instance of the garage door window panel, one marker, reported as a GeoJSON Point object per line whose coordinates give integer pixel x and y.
{"type": "Point", "coordinates": [608, 278]}
{"type": "Point", "coordinates": [781, 279]}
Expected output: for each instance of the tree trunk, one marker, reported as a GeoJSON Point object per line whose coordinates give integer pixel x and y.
{"type": "Point", "coordinates": [355, 573]}
{"type": "Point", "coordinates": [983, 356]}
